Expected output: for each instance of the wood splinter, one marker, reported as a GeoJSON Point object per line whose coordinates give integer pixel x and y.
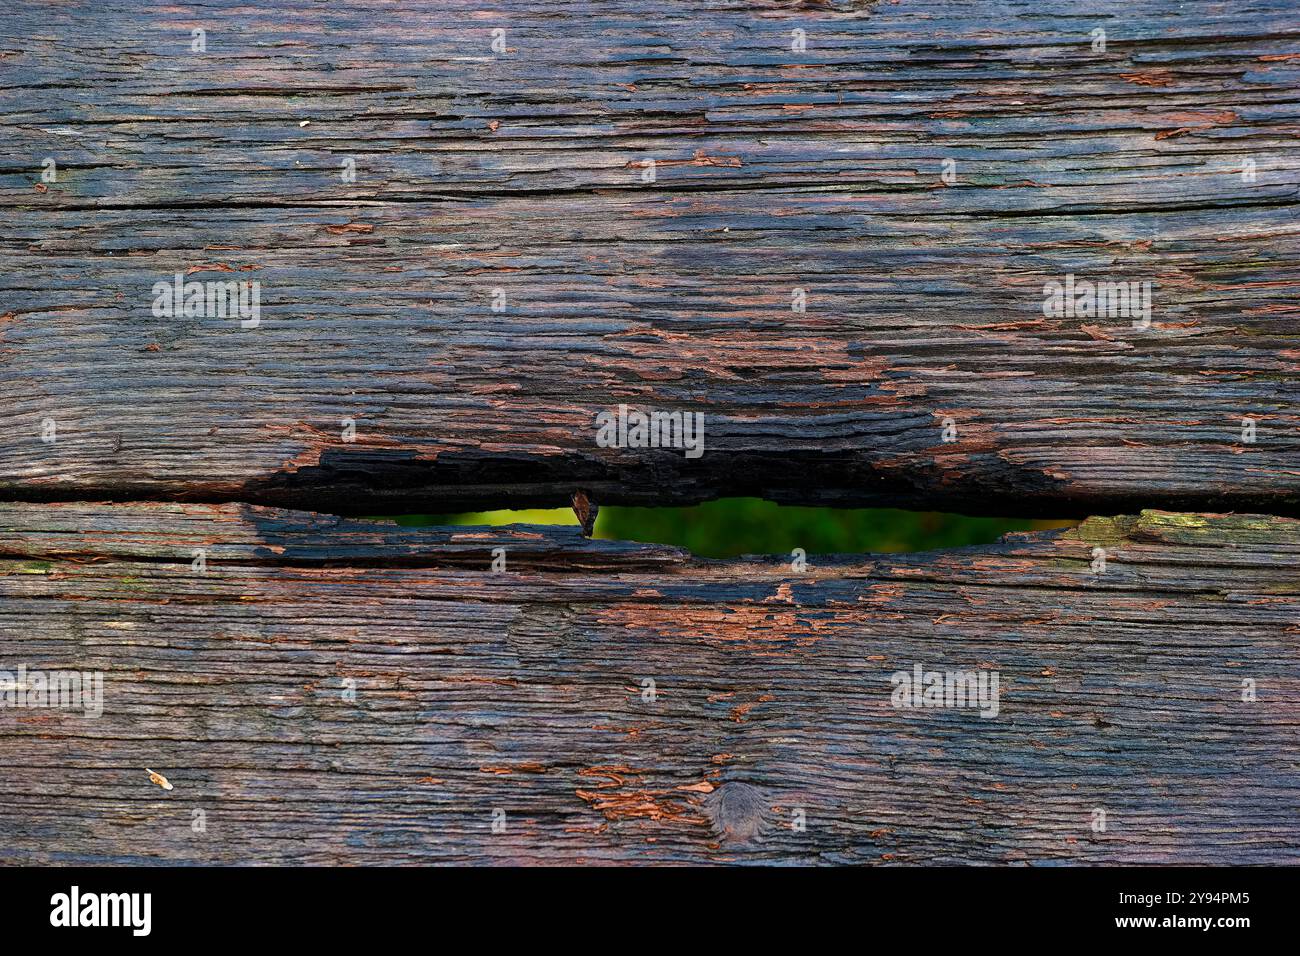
{"type": "Point", "coordinates": [586, 510]}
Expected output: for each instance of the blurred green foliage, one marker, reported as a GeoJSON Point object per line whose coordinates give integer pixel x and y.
{"type": "Point", "coordinates": [734, 526]}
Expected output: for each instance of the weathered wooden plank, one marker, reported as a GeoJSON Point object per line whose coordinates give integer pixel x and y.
{"type": "Point", "coordinates": [775, 170]}
{"type": "Point", "coordinates": [522, 692]}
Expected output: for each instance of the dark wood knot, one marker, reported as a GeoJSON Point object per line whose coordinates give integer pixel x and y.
{"type": "Point", "coordinates": [738, 811]}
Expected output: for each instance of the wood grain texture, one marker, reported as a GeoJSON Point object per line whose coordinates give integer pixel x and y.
{"type": "Point", "coordinates": [521, 692]}
{"type": "Point", "coordinates": [775, 170]}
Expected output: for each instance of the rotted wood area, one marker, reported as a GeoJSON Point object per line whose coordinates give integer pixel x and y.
{"type": "Point", "coordinates": [325, 690]}
{"type": "Point", "coordinates": [497, 267]}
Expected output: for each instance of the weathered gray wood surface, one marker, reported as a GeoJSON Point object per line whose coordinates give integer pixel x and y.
{"type": "Point", "coordinates": [776, 170]}
{"type": "Point", "coordinates": [522, 692]}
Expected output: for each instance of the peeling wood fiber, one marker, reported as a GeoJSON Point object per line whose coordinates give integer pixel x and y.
{"type": "Point", "coordinates": [523, 692]}
{"type": "Point", "coordinates": [775, 170]}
